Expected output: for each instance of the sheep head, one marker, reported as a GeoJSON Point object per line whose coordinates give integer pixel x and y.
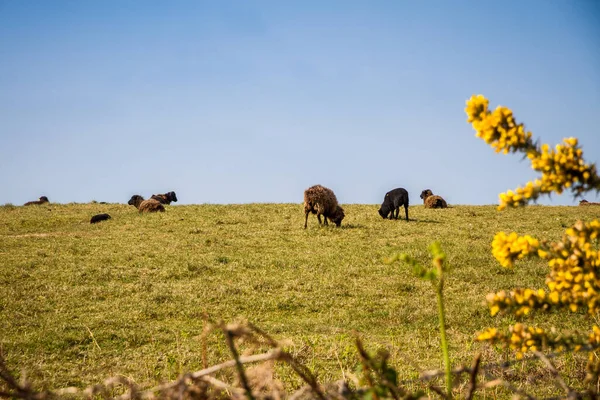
{"type": "Point", "coordinates": [172, 196]}
{"type": "Point", "coordinates": [384, 211]}
{"type": "Point", "coordinates": [337, 216]}
{"type": "Point", "coordinates": [135, 200]}
{"type": "Point", "coordinates": [426, 193]}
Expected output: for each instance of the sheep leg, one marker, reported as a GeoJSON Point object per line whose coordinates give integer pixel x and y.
{"type": "Point", "coordinates": [406, 211]}
{"type": "Point", "coordinates": [319, 218]}
{"type": "Point", "coordinates": [396, 212]}
{"type": "Point", "coordinates": [306, 218]}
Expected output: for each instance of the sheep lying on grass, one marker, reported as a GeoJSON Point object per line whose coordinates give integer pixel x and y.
{"type": "Point", "coordinates": [166, 198]}
{"type": "Point", "coordinates": [41, 200]}
{"type": "Point", "coordinates": [322, 201]}
{"type": "Point", "coordinates": [99, 217]}
{"type": "Point", "coordinates": [392, 202]}
{"type": "Point", "coordinates": [588, 203]}
{"type": "Point", "coordinates": [432, 201]}
{"type": "Point", "coordinates": [142, 205]}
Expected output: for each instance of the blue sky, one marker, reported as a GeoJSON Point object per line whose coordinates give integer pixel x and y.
{"type": "Point", "coordinates": [254, 101]}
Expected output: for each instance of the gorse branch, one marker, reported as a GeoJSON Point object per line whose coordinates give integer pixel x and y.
{"type": "Point", "coordinates": [562, 167]}
{"type": "Point", "coordinates": [573, 280]}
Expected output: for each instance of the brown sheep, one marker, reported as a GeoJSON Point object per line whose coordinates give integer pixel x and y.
{"type": "Point", "coordinates": [322, 201]}
{"type": "Point", "coordinates": [142, 205]}
{"type": "Point", "coordinates": [432, 201]}
{"type": "Point", "coordinates": [166, 198]}
{"type": "Point", "coordinates": [42, 200]}
{"type": "Point", "coordinates": [588, 203]}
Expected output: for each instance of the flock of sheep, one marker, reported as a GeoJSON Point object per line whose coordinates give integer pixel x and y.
{"type": "Point", "coordinates": [153, 204]}
{"type": "Point", "coordinates": [318, 200]}
{"type": "Point", "coordinates": [322, 201]}
{"type": "Point", "coordinates": [588, 203]}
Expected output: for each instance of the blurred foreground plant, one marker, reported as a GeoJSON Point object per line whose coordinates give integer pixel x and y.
{"type": "Point", "coordinates": [436, 276]}
{"type": "Point", "coordinates": [573, 282]}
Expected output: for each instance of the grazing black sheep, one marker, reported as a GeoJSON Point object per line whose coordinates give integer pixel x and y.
{"type": "Point", "coordinates": [392, 202]}
{"type": "Point", "coordinates": [41, 200]}
{"type": "Point", "coordinates": [166, 198]}
{"type": "Point", "coordinates": [322, 201]}
{"type": "Point", "coordinates": [99, 217]}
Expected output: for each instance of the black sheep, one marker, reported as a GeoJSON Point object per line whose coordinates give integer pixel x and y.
{"type": "Point", "coordinates": [166, 198]}
{"type": "Point", "coordinates": [392, 202]}
{"type": "Point", "coordinates": [99, 217]}
{"type": "Point", "coordinates": [42, 200]}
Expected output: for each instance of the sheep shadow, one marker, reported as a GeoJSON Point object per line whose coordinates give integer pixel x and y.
{"type": "Point", "coordinates": [425, 221]}
{"type": "Point", "coordinates": [403, 221]}
{"type": "Point", "coordinates": [352, 226]}
{"type": "Point", "coordinates": [333, 228]}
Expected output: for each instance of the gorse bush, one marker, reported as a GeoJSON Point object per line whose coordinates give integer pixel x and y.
{"type": "Point", "coordinates": [573, 281]}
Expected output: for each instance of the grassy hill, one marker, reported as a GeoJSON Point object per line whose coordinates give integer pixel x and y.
{"type": "Point", "coordinates": [81, 302]}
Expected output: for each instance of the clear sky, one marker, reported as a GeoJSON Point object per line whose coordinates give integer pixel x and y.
{"type": "Point", "coordinates": [254, 101]}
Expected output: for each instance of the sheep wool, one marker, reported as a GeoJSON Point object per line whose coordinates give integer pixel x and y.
{"type": "Point", "coordinates": [151, 205]}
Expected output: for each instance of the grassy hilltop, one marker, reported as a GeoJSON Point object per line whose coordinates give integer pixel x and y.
{"type": "Point", "coordinates": [81, 302]}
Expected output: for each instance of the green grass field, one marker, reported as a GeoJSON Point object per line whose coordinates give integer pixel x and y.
{"type": "Point", "coordinates": [81, 302]}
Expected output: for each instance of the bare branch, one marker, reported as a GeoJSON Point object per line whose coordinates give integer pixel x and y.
{"type": "Point", "coordinates": [438, 391]}
{"type": "Point", "coordinates": [473, 378]}
{"type": "Point", "coordinates": [510, 387]}
{"type": "Point", "coordinates": [556, 375]}
{"type": "Point", "coordinates": [239, 366]}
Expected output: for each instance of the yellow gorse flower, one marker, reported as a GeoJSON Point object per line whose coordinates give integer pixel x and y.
{"type": "Point", "coordinates": [508, 248]}
{"type": "Point", "coordinates": [498, 128]}
{"type": "Point", "coordinates": [522, 338]}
